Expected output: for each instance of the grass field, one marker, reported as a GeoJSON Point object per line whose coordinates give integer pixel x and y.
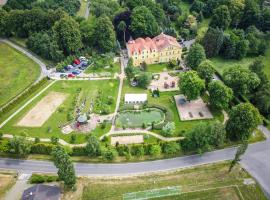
{"type": "Point", "coordinates": [51, 126]}
{"type": "Point", "coordinates": [17, 72]}
{"type": "Point", "coordinates": [155, 68]}
{"type": "Point", "coordinates": [112, 70]}
{"type": "Point", "coordinates": [209, 182]}
{"type": "Point", "coordinates": [82, 11]}
{"type": "Point", "coordinates": [166, 99]}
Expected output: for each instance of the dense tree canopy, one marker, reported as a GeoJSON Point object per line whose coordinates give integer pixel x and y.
{"type": "Point", "coordinates": [219, 95]}
{"type": "Point", "coordinates": [213, 41]}
{"type": "Point", "coordinates": [221, 18]}
{"type": "Point", "coordinates": [206, 71]}
{"type": "Point", "coordinates": [105, 39]}
{"type": "Point", "coordinates": [67, 34]}
{"type": "Point", "coordinates": [143, 23]}
{"type": "Point", "coordinates": [241, 80]}
{"type": "Point", "coordinates": [243, 120]}
{"type": "Point", "coordinates": [191, 85]}
{"type": "Point", "coordinates": [195, 56]}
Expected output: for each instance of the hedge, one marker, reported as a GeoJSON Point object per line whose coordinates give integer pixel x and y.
{"type": "Point", "coordinates": [42, 148]}
{"type": "Point", "coordinates": [37, 178]}
{"type": "Point", "coordinates": [23, 96]}
{"type": "Point", "coordinates": [78, 151]}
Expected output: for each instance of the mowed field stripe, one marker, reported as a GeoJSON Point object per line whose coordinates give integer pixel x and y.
{"type": "Point", "coordinates": [26, 104]}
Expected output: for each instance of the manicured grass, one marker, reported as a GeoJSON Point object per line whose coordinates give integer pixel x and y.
{"type": "Point", "coordinates": [166, 100]}
{"type": "Point", "coordinates": [222, 64]}
{"type": "Point", "coordinates": [17, 72]}
{"type": "Point", "coordinates": [138, 118]}
{"type": "Point", "coordinates": [156, 68]}
{"type": "Point", "coordinates": [51, 126]}
{"type": "Point", "coordinates": [82, 11]}
{"type": "Point", "coordinates": [214, 179]}
{"type": "Point", "coordinates": [112, 70]}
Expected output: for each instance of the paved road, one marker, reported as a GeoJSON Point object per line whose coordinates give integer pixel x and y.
{"type": "Point", "coordinates": [255, 161]}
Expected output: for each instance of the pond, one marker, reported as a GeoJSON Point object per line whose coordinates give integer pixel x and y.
{"type": "Point", "coordinates": [135, 119]}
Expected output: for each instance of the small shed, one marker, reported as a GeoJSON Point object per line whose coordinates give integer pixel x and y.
{"type": "Point", "coordinates": [135, 98]}
{"type": "Point", "coordinates": [42, 192]}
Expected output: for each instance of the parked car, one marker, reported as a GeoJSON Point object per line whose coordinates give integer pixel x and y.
{"type": "Point", "coordinates": [82, 58]}
{"type": "Point", "coordinates": [63, 76]}
{"type": "Point", "coordinates": [77, 61]}
{"type": "Point", "coordinates": [76, 72]}
{"type": "Point", "coordinates": [71, 75]}
{"type": "Point", "coordinates": [84, 63]}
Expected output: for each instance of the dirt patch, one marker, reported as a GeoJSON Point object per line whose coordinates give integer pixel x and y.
{"type": "Point", "coordinates": [133, 139]}
{"type": "Point", "coordinates": [38, 115]}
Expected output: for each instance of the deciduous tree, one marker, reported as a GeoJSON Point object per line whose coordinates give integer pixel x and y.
{"type": "Point", "coordinates": [206, 71]}
{"type": "Point", "coordinates": [195, 56]}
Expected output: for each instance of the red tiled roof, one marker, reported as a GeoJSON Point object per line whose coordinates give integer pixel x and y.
{"type": "Point", "coordinates": [157, 43]}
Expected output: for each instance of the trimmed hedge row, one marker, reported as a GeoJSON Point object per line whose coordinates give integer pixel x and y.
{"type": "Point", "coordinates": [29, 91]}
{"type": "Point", "coordinates": [37, 178]}
{"type": "Point", "coordinates": [42, 148]}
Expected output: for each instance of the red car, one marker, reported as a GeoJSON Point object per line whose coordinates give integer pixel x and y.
{"type": "Point", "coordinates": [77, 61]}
{"type": "Point", "coordinates": [71, 75]}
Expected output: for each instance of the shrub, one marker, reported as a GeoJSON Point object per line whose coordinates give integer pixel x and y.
{"type": "Point", "coordinates": [73, 138]}
{"type": "Point", "coordinates": [37, 178]}
{"type": "Point", "coordinates": [122, 150]}
{"type": "Point", "coordinates": [37, 140]}
{"type": "Point", "coordinates": [42, 148]}
{"type": "Point", "coordinates": [54, 140]}
{"type": "Point", "coordinates": [1, 135]}
{"type": "Point", "coordinates": [109, 154]}
{"type": "Point", "coordinates": [168, 129]}
{"type": "Point", "coordinates": [137, 150]}
{"type": "Point", "coordinates": [171, 147]}
{"type": "Point", "coordinates": [155, 150]}
{"type": "Point", "coordinates": [78, 151]}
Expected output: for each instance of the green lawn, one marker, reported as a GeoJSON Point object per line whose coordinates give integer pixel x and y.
{"type": "Point", "coordinates": [208, 182]}
{"type": "Point", "coordinates": [82, 11]}
{"type": "Point", "coordinates": [202, 28]}
{"type": "Point", "coordinates": [17, 72]}
{"type": "Point", "coordinates": [156, 68]}
{"type": "Point", "coordinates": [112, 70]}
{"type": "Point", "coordinates": [166, 99]}
{"type": "Point", "coordinates": [51, 126]}
{"type": "Point", "coordinates": [222, 64]}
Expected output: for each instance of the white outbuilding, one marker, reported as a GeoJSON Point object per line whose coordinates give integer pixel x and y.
{"type": "Point", "coordinates": [135, 98]}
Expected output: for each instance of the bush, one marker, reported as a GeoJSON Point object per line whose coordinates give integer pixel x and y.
{"type": "Point", "coordinates": [122, 150]}
{"type": "Point", "coordinates": [54, 140]}
{"type": "Point", "coordinates": [37, 178]}
{"type": "Point", "coordinates": [78, 151]}
{"type": "Point", "coordinates": [42, 148]}
{"type": "Point", "coordinates": [155, 150]}
{"type": "Point", "coordinates": [137, 150]}
{"type": "Point", "coordinates": [170, 148]}
{"type": "Point", "coordinates": [109, 154]}
{"type": "Point", "coordinates": [37, 140]}
{"type": "Point", "coordinates": [73, 138]}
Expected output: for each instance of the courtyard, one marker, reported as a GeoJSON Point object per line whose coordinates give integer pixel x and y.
{"type": "Point", "coordinates": [164, 81]}
{"type": "Point", "coordinates": [192, 110]}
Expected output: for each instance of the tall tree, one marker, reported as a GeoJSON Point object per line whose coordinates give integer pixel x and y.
{"type": "Point", "coordinates": [240, 151]}
{"type": "Point", "coordinates": [219, 95]}
{"type": "Point", "coordinates": [221, 18]}
{"type": "Point", "coordinates": [143, 23]}
{"type": "Point", "coordinates": [122, 27]}
{"type": "Point", "coordinates": [67, 34]}
{"type": "Point", "coordinates": [195, 56]}
{"type": "Point", "coordinates": [236, 8]}
{"type": "Point", "coordinates": [243, 120]}
{"type": "Point", "coordinates": [105, 39]}
{"type": "Point", "coordinates": [251, 14]}
{"type": "Point", "coordinates": [62, 161]}
{"type": "Point", "coordinates": [213, 41]}
{"type": "Point", "coordinates": [191, 85]}
{"type": "Point", "coordinates": [92, 147]}
{"type": "Point", "coordinates": [241, 80]}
